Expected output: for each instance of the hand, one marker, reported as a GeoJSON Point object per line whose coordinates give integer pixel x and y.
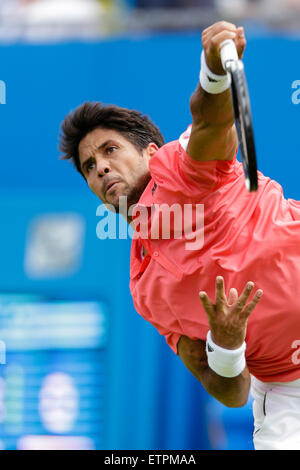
{"type": "Point", "coordinates": [213, 37]}
{"type": "Point", "coordinates": [228, 318]}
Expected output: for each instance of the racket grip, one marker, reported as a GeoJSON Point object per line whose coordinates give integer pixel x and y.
{"type": "Point", "coordinates": [228, 53]}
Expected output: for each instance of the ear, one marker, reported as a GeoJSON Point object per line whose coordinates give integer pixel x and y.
{"type": "Point", "coordinates": [151, 149]}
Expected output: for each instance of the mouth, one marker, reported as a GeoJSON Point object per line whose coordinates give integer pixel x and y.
{"type": "Point", "coordinates": [110, 186]}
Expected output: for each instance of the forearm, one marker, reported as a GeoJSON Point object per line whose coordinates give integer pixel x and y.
{"type": "Point", "coordinates": [232, 392]}
{"type": "Point", "coordinates": [226, 376]}
{"type": "Point", "coordinates": [211, 110]}
{"type": "Point", "coordinates": [214, 135]}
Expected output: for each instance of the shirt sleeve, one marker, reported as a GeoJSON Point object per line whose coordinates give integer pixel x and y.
{"type": "Point", "coordinates": [176, 173]}
{"type": "Point", "coordinates": [171, 337]}
{"type": "Point", "coordinates": [172, 340]}
{"type": "Point", "coordinates": [210, 174]}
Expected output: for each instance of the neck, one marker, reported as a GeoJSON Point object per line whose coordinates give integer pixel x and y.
{"type": "Point", "coordinates": [135, 195]}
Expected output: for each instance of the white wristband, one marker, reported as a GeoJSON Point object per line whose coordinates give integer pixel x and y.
{"type": "Point", "coordinates": [225, 362]}
{"type": "Point", "coordinates": [211, 82]}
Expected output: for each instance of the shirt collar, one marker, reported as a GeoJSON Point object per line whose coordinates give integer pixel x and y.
{"type": "Point", "coordinates": [147, 198]}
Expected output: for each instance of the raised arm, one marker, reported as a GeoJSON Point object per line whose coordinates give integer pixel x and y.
{"type": "Point", "coordinates": [228, 323]}
{"type": "Point", "coordinates": [213, 135]}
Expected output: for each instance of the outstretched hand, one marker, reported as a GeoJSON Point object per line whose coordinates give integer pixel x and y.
{"type": "Point", "coordinates": [227, 318]}
{"type": "Point", "coordinates": [212, 39]}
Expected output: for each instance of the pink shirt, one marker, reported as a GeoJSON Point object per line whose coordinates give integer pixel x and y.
{"type": "Point", "coordinates": [247, 237]}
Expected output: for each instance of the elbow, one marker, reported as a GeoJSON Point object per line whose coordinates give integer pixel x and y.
{"type": "Point", "coordinates": [237, 401]}
{"type": "Point", "coordinates": [230, 400]}
{"type": "Point", "coordinates": [235, 404]}
{"type": "Point", "coordinates": [232, 393]}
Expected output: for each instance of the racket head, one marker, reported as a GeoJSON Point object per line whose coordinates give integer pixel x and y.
{"type": "Point", "coordinates": [243, 120]}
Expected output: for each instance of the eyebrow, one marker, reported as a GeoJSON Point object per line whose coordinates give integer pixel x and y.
{"type": "Point", "coordinates": [101, 147]}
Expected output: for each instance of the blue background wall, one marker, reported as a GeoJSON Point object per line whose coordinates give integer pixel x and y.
{"type": "Point", "coordinates": [152, 401]}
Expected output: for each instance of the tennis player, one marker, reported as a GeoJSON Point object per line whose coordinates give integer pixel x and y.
{"type": "Point", "coordinates": [249, 238]}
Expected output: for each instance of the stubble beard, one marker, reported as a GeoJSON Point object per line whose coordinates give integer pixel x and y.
{"type": "Point", "coordinates": [134, 193]}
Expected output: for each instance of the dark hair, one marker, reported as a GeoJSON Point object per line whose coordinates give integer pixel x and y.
{"type": "Point", "coordinates": [135, 127]}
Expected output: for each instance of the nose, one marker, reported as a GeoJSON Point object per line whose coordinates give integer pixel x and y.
{"type": "Point", "coordinates": [102, 168]}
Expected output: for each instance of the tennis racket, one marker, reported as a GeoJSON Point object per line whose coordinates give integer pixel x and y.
{"type": "Point", "coordinates": [242, 111]}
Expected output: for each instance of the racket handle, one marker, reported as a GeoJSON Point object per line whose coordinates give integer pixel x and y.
{"type": "Point", "coordinates": [228, 53]}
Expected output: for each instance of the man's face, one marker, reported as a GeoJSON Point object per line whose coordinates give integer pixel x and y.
{"type": "Point", "coordinates": [113, 167]}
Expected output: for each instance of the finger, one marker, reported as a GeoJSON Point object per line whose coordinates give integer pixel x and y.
{"type": "Point", "coordinates": [207, 304]}
{"type": "Point", "coordinates": [251, 306]}
{"type": "Point", "coordinates": [219, 26]}
{"type": "Point", "coordinates": [241, 301]}
{"type": "Point", "coordinates": [218, 35]}
{"type": "Point", "coordinates": [220, 293]}
{"type": "Point", "coordinates": [240, 42]}
{"type": "Point", "coordinates": [233, 296]}
{"type": "Point", "coordinates": [217, 40]}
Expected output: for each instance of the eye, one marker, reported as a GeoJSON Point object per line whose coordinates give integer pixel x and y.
{"type": "Point", "coordinates": [90, 166]}
{"type": "Point", "coordinates": [110, 149]}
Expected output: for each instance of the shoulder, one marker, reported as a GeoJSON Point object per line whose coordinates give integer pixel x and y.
{"type": "Point", "coordinates": [168, 152]}
{"type": "Point", "coordinates": [164, 166]}
{"type": "Point", "coordinates": [172, 168]}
